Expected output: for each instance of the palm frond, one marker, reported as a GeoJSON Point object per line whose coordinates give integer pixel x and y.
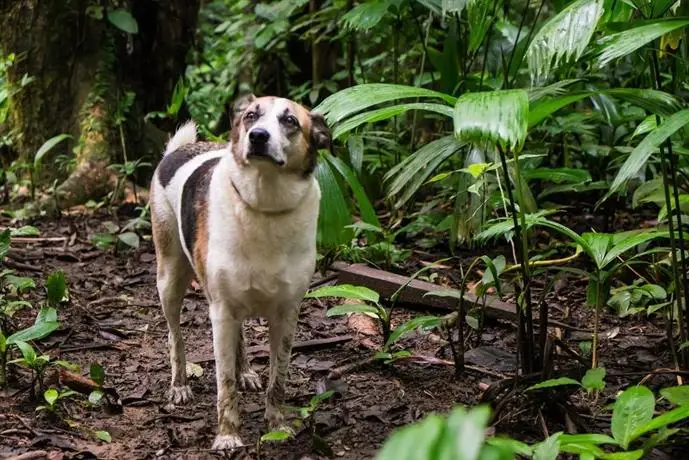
{"type": "Point", "coordinates": [409, 175]}
{"type": "Point", "coordinates": [334, 214]}
{"type": "Point", "coordinates": [386, 113]}
{"type": "Point", "coordinates": [652, 100]}
{"type": "Point", "coordinates": [366, 15]}
{"type": "Point", "coordinates": [352, 100]}
{"type": "Point", "coordinates": [622, 43]}
{"type": "Point", "coordinates": [563, 37]}
{"type": "Point", "coordinates": [641, 153]}
{"type": "Point", "coordinates": [500, 117]}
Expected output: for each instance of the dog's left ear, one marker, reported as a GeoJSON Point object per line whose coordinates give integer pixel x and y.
{"type": "Point", "coordinates": [320, 133]}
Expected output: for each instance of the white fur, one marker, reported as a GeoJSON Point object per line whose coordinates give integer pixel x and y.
{"type": "Point", "coordinates": [186, 134]}
{"type": "Point", "coordinates": [261, 256]}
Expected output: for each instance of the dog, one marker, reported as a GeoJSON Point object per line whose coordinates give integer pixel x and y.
{"type": "Point", "coordinates": [242, 219]}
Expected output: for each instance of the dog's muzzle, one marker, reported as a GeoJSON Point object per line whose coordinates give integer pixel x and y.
{"type": "Point", "coordinates": [259, 147]}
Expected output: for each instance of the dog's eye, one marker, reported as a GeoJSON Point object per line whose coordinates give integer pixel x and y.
{"type": "Point", "coordinates": [250, 116]}
{"type": "Point", "coordinates": [291, 120]}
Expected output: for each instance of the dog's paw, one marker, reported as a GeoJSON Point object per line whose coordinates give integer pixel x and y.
{"type": "Point", "coordinates": [249, 381]}
{"type": "Point", "coordinates": [227, 442]}
{"type": "Point", "coordinates": [180, 395]}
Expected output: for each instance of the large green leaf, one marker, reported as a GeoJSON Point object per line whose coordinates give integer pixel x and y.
{"type": "Point", "coordinates": [339, 310]}
{"type": "Point", "coordinates": [334, 213]}
{"type": "Point", "coordinates": [34, 332]}
{"type": "Point", "coordinates": [668, 418]}
{"type": "Point", "coordinates": [5, 238]}
{"type": "Point", "coordinates": [387, 113]}
{"type": "Point", "coordinates": [412, 172]}
{"type": "Point", "coordinates": [677, 395]}
{"type": "Point", "coordinates": [366, 15]}
{"type": "Point", "coordinates": [633, 409]}
{"type": "Point", "coordinates": [622, 43]}
{"type": "Point", "coordinates": [424, 322]}
{"type": "Point", "coordinates": [500, 117]}
{"type": "Point", "coordinates": [345, 291]}
{"type": "Point", "coordinates": [47, 147]}
{"type": "Point", "coordinates": [123, 20]}
{"type": "Point", "coordinates": [368, 213]}
{"type": "Point", "coordinates": [563, 37]}
{"type": "Point", "coordinates": [416, 441]}
{"type": "Point", "coordinates": [641, 153]}
{"type": "Point", "coordinates": [352, 100]}
{"type": "Point", "coordinates": [558, 175]}
{"type": "Point", "coordinates": [558, 382]}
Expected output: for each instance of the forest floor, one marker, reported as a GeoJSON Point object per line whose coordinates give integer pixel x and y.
{"type": "Point", "coordinates": [113, 318]}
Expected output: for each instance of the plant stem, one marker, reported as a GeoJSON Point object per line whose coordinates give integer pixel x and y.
{"type": "Point", "coordinates": [523, 298]}
{"type": "Point", "coordinates": [596, 321]}
{"type": "Point", "coordinates": [680, 284]}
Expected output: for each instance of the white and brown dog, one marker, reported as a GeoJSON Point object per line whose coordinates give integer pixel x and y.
{"type": "Point", "coordinates": [242, 218]}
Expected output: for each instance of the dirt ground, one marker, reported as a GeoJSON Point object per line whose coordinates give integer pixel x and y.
{"type": "Point", "coordinates": [113, 318]}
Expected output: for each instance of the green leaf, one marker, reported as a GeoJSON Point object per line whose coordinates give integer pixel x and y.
{"type": "Point", "coordinates": [35, 332]}
{"type": "Point", "coordinates": [26, 230]}
{"type": "Point", "coordinates": [558, 175]}
{"type": "Point", "coordinates": [97, 373]}
{"type": "Point", "coordinates": [641, 153]}
{"type": "Point", "coordinates": [620, 44]}
{"type": "Point", "coordinates": [56, 288]}
{"type": "Point", "coordinates": [424, 322]}
{"type": "Point", "coordinates": [355, 145]}
{"type": "Point", "coordinates": [346, 291]}
{"type": "Point", "coordinates": [677, 395]}
{"type": "Point", "coordinates": [415, 441]}
{"type": "Point", "coordinates": [352, 100]}
{"type": "Point", "coordinates": [20, 283]}
{"type": "Point", "coordinates": [368, 213]}
{"type": "Point", "coordinates": [594, 379]}
{"type": "Point", "coordinates": [103, 436]}
{"type": "Point", "coordinates": [632, 410]}
{"type": "Point", "coordinates": [28, 352]}
{"type": "Point", "coordinates": [563, 37]}
{"type": "Point", "coordinates": [592, 438]}
{"type": "Point", "coordinates": [365, 16]}
{"type": "Point", "coordinates": [123, 20]}
{"type": "Point", "coordinates": [668, 418]}
{"type": "Point", "coordinates": [553, 383]}
{"type": "Point", "coordinates": [647, 125]}
{"type": "Point", "coordinates": [465, 433]}
{"type": "Point", "coordinates": [339, 310]}
{"type": "Point", "coordinates": [47, 147]}
{"type": "Point", "coordinates": [50, 395]}
{"type": "Point", "coordinates": [411, 173]}
{"type": "Point", "coordinates": [500, 117]}
{"type": "Point", "coordinates": [275, 436]}
{"type": "Point", "coordinates": [4, 244]}
{"type": "Point", "coordinates": [334, 212]}
{"type": "Point", "coordinates": [548, 449]}
{"type": "Point", "coordinates": [131, 239]}
{"type": "Point", "coordinates": [386, 113]}
{"type": "Point", "coordinates": [95, 397]}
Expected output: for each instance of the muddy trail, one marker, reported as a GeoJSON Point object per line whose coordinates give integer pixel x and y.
{"type": "Point", "coordinates": [113, 318]}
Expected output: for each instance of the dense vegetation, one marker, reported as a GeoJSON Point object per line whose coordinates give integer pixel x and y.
{"type": "Point", "coordinates": [510, 143]}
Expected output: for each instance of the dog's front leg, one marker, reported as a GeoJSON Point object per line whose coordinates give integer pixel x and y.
{"type": "Point", "coordinates": [226, 333]}
{"type": "Point", "coordinates": [282, 328]}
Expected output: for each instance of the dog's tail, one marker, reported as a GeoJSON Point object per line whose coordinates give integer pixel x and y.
{"type": "Point", "coordinates": [186, 134]}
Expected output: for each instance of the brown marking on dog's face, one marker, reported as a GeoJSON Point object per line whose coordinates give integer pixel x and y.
{"type": "Point", "coordinates": [278, 133]}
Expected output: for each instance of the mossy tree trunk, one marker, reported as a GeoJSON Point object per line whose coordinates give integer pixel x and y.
{"type": "Point", "coordinates": [84, 70]}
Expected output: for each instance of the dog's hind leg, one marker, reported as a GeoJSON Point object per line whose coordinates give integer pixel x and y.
{"type": "Point", "coordinates": [174, 274]}
{"type": "Point", "coordinates": [247, 378]}
{"type": "Point", "coordinates": [282, 328]}
{"type": "Point", "coordinates": [227, 331]}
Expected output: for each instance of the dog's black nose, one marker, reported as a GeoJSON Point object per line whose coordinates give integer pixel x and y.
{"type": "Point", "coordinates": [259, 136]}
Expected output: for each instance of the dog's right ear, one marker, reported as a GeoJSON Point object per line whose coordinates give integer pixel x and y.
{"type": "Point", "coordinates": [242, 104]}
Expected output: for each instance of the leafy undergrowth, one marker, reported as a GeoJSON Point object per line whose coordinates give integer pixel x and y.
{"type": "Point", "coordinates": [112, 319]}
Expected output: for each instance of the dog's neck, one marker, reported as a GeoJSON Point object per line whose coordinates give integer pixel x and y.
{"type": "Point", "coordinates": [266, 189]}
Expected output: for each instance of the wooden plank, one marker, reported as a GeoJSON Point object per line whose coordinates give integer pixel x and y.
{"type": "Point", "coordinates": [386, 284]}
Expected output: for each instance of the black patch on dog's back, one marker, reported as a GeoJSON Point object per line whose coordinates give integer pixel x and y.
{"type": "Point", "coordinates": [171, 162]}
{"type": "Point", "coordinates": [195, 194]}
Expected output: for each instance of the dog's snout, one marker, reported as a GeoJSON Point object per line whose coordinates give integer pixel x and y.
{"type": "Point", "coordinates": [259, 136]}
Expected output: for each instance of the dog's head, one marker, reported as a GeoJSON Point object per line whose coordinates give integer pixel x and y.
{"type": "Point", "coordinates": [277, 133]}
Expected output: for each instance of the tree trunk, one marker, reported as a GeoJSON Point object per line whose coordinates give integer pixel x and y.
{"type": "Point", "coordinates": [84, 71]}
